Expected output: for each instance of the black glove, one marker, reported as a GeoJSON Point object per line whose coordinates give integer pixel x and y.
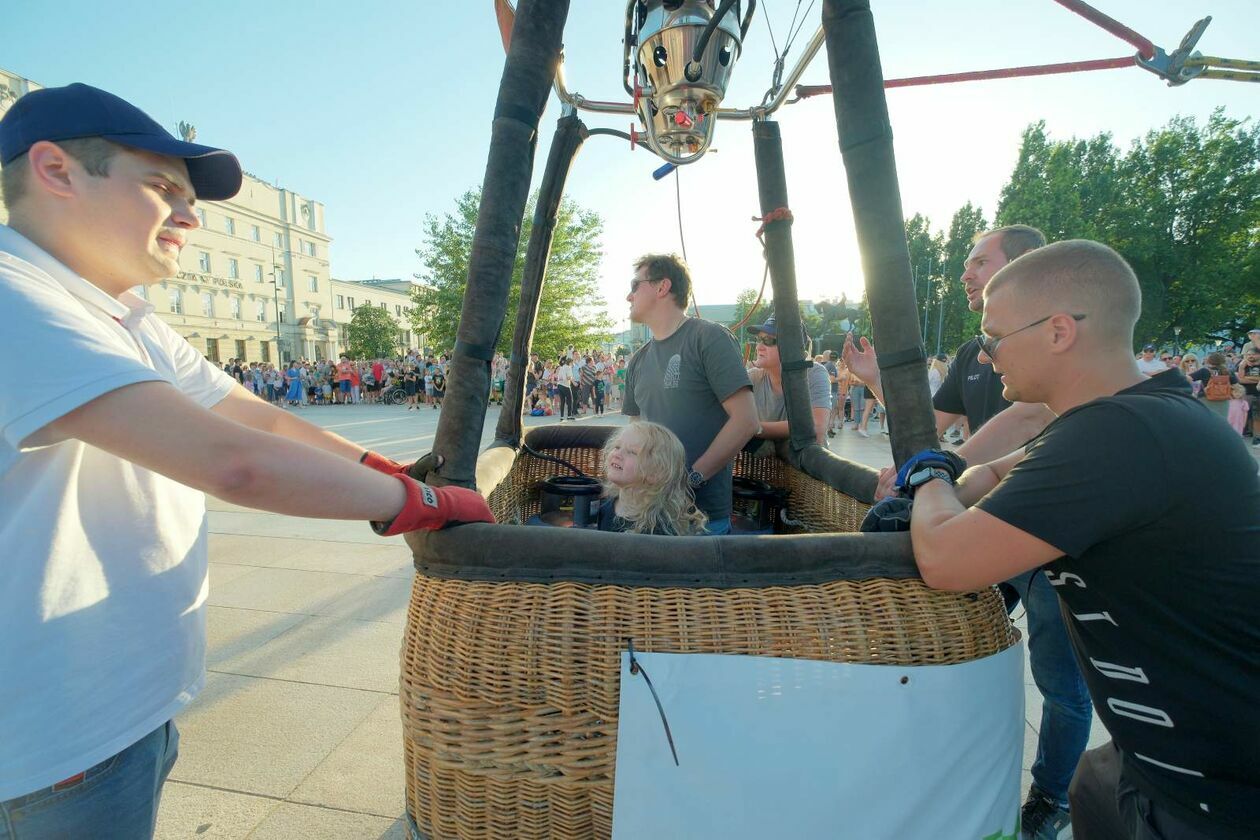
{"type": "Point", "coordinates": [888, 515]}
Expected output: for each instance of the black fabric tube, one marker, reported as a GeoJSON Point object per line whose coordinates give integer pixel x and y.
{"type": "Point", "coordinates": [528, 74]}
{"type": "Point", "coordinates": [866, 145]}
{"type": "Point", "coordinates": [772, 191]}
{"type": "Point", "coordinates": [570, 132]}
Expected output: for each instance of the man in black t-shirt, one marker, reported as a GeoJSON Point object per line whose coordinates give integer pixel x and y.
{"type": "Point", "coordinates": [971, 388]}
{"type": "Point", "coordinates": [1161, 615]}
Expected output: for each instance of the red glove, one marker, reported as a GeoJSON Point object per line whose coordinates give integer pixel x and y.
{"type": "Point", "coordinates": [380, 463]}
{"type": "Point", "coordinates": [429, 508]}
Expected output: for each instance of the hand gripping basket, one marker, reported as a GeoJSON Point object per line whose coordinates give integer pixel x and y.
{"type": "Point", "coordinates": [512, 653]}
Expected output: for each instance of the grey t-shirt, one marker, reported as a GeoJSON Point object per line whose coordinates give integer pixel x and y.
{"type": "Point", "coordinates": [680, 383]}
{"type": "Point", "coordinates": [771, 406]}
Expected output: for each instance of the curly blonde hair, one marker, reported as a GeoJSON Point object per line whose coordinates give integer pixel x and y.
{"type": "Point", "coordinates": [661, 500]}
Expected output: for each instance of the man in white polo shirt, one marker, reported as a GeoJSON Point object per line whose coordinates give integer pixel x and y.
{"type": "Point", "coordinates": [102, 508]}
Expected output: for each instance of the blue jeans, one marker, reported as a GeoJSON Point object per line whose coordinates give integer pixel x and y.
{"type": "Point", "coordinates": [1066, 709]}
{"type": "Point", "coordinates": [718, 527]}
{"type": "Point", "coordinates": [116, 799]}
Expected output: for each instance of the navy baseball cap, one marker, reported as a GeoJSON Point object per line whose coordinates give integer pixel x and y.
{"type": "Point", "coordinates": [79, 110]}
{"type": "Point", "coordinates": [770, 328]}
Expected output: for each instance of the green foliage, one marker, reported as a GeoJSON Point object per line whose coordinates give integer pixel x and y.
{"type": "Point", "coordinates": [571, 312]}
{"type": "Point", "coordinates": [957, 323]}
{"type": "Point", "coordinates": [372, 333]}
{"type": "Point", "coordinates": [1182, 205]}
{"type": "Point", "coordinates": [743, 303]}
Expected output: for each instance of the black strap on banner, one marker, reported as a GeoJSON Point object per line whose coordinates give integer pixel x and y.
{"type": "Point", "coordinates": [900, 358]}
{"type": "Point", "coordinates": [802, 364]}
{"type": "Point", "coordinates": [485, 352]}
{"type": "Point", "coordinates": [526, 116]}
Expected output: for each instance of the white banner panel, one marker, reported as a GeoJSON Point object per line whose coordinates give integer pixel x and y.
{"type": "Point", "coordinates": [793, 748]}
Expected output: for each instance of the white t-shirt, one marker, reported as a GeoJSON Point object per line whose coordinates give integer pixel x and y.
{"type": "Point", "coordinates": [102, 562]}
{"type": "Point", "coordinates": [564, 375]}
{"type": "Point", "coordinates": [1152, 367]}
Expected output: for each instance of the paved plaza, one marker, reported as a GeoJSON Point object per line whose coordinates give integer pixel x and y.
{"type": "Point", "coordinates": [297, 733]}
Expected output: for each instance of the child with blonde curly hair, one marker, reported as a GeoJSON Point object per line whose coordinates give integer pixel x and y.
{"type": "Point", "coordinates": [646, 489]}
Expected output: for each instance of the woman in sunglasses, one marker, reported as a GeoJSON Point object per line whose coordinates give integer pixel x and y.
{"type": "Point", "coordinates": [767, 382]}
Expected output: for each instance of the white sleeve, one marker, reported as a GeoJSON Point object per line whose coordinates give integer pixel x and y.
{"type": "Point", "coordinates": [196, 377]}
{"type": "Point", "coordinates": [46, 328]}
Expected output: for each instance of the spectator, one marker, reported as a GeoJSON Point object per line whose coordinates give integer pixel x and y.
{"type": "Point", "coordinates": [1148, 364]}
{"type": "Point", "coordinates": [1215, 380]}
{"type": "Point", "coordinates": [835, 417]}
{"type": "Point", "coordinates": [565, 390]}
{"type": "Point", "coordinates": [938, 369]}
{"type": "Point", "coordinates": [1248, 376]}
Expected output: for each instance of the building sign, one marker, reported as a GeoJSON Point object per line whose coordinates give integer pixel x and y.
{"type": "Point", "coordinates": [210, 280]}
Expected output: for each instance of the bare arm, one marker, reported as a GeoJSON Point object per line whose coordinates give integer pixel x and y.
{"type": "Point", "coordinates": [960, 549]}
{"type": "Point", "coordinates": [976, 482]}
{"type": "Point", "coordinates": [1006, 432]}
{"type": "Point", "coordinates": [741, 424]}
{"type": "Point", "coordinates": [155, 426]}
{"type": "Point", "coordinates": [778, 429]}
{"type": "Point", "coordinates": [243, 407]}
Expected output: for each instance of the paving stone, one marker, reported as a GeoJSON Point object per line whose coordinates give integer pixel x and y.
{"type": "Point", "coordinates": [288, 590]}
{"type": "Point", "coordinates": [264, 736]}
{"type": "Point", "coordinates": [190, 811]}
{"type": "Point", "coordinates": [222, 574]}
{"type": "Point", "coordinates": [290, 822]}
{"type": "Point", "coordinates": [383, 599]}
{"type": "Point", "coordinates": [391, 557]}
{"type": "Point", "coordinates": [232, 632]}
{"type": "Point", "coordinates": [323, 650]}
{"type": "Point", "coordinates": [365, 772]}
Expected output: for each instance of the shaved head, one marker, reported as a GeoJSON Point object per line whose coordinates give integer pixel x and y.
{"type": "Point", "coordinates": [1080, 277]}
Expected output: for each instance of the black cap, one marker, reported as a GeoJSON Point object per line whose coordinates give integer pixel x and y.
{"type": "Point", "coordinates": [1150, 347]}
{"type": "Point", "coordinates": [78, 110]}
{"type": "Point", "coordinates": [770, 328]}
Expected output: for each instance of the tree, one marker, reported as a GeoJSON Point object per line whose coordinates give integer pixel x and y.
{"type": "Point", "coordinates": [571, 312]}
{"type": "Point", "coordinates": [372, 333]}
{"type": "Point", "coordinates": [744, 302]}
{"type": "Point", "coordinates": [1182, 206]}
{"type": "Point", "coordinates": [926, 255]}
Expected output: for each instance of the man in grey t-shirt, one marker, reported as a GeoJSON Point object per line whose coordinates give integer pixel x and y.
{"type": "Point", "coordinates": [690, 378]}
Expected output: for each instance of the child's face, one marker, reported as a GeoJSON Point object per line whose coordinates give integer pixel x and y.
{"type": "Point", "coordinates": [623, 459]}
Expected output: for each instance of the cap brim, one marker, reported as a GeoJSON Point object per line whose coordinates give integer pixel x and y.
{"type": "Point", "coordinates": [215, 173]}
{"type": "Point", "coordinates": [753, 329]}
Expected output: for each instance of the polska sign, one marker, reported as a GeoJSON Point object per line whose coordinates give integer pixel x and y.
{"type": "Point", "coordinates": [209, 280]}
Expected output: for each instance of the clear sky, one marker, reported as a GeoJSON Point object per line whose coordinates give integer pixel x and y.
{"type": "Point", "coordinates": [382, 111]}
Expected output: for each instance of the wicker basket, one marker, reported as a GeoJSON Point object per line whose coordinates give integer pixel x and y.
{"type": "Point", "coordinates": [511, 665]}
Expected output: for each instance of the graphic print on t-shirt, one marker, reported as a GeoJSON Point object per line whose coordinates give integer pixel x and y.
{"type": "Point", "coordinates": [672, 371]}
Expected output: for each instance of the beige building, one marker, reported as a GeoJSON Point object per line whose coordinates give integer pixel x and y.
{"type": "Point", "coordinates": [256, 282]}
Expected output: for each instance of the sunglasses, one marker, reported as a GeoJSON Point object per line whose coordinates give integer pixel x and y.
{"type": "Point", "coordinates": [768, 340]}
{"type": "Point", "coordinates": [638, 281]}
{"type": "Point", "coordinates": [990, 345]}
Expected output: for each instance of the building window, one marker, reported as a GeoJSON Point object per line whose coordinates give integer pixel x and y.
{"type": "Point", "coordinates": [201, 216]}
{"type": "Point", "coordinates": [260, 310]}
{"type": "Point", "coordinates": [207, 304]}
{"type": "Point", "coordinates": [177, 301]}
{"type": "Point", "coordinates": [398, 309]}
{"type": "Point", "coordinates": [279, 239]}
{"type": "Point", "coordinates": [234, 270]}
{"type": "Point", "coordinates": [312, 283]}
{"type": "Point", "coordinates": [280, 313]}
{"type": "Point", "coordinates": [236, 308]}
{"type": "Point", "coordinates": [212, 349]}
{"type": "Point", "coordinates": [280, 277]}
{"type": "Point", "coordinates": [384, 306]}
{"type": "Point", "coordinates": [229, 225]}
{"type": "Point", "coordinates": [255, 233]}
{"type": "Point", "coordinates": [240, 350]}
{"type": "Point", "coordinates": [341, 301]}
{"type": "Point", "coordinates": [307, 248]}
{"type": "Point", "coordinates": [203, 261]}
{"type": "Point", "coordinates": [350, 301]}
{"type": "Point", "coordinates": [258, 274]}
{"type": "Point", "coordinates": [266, 352]}
{"type": "Point", "coordinates": [367, 302]}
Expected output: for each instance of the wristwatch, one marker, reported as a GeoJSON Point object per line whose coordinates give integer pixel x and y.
{"type": "Point", "coordinates": [695, 479]}
{"type": "Point", "coordinates": [923, 476]}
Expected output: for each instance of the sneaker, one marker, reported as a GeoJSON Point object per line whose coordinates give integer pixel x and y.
{"type": "Point", "coordinates": [1042, 818]}
{"type": "Point", "coordinates": [863, 433]}
{"type": "Point", "coordinates": [831, 433]}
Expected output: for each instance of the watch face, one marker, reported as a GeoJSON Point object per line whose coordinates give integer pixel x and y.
{"type": "Point", "coordinates": [925, 475]}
